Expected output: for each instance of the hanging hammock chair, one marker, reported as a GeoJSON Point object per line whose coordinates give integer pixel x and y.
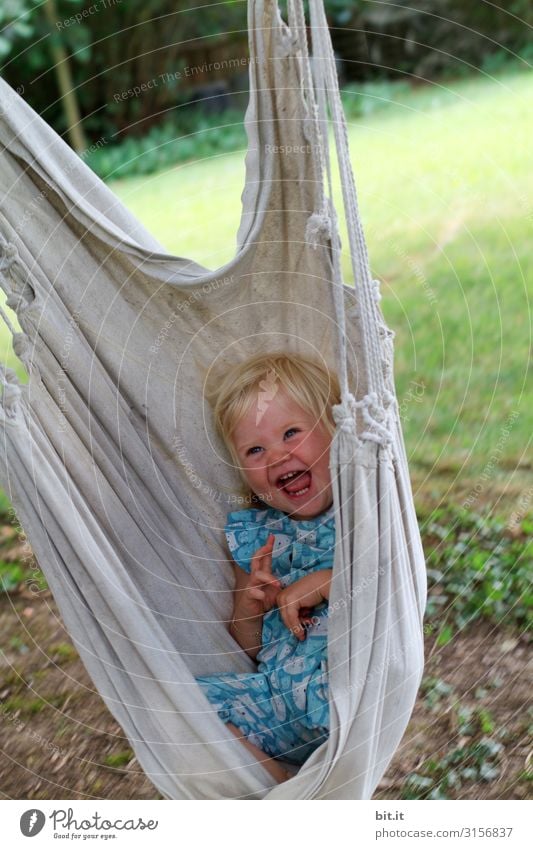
{"type": "Point", "coordinates": [110, 456]}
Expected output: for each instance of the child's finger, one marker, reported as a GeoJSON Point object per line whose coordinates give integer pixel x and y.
{"type": "Point", "coordinates": [298, 630]}
{"type": "Point", "coordinates": [255, 592]}
{"type": "Point", "coordinates": [265, 578]}
{"type": "Point", "coordinates": [269, 603]}
{"type": "Point", "coordinates": [262, 559]}
{"type": "Point", "coordinates": [291, 618]}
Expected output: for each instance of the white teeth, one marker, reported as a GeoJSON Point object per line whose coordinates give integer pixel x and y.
{"type": "Point", "coordinates": [288, 476]}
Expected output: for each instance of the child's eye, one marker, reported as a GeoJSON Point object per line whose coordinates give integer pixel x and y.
{"type": "Point", "coordinates": [253, 450]}
{"type": "Point", "coordinates": [290, 431]}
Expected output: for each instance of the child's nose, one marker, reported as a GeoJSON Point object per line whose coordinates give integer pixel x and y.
{"type": "Point", "coordinates": [278, 454]}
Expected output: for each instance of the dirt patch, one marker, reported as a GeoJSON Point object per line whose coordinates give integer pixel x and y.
{"type": "Point", "coordinates": [488, 670]}
{"type": "Point", "coordinates": [58, 740]}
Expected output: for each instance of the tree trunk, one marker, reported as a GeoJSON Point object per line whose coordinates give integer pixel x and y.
{"type": "Point", "coordinates": [64, 80]}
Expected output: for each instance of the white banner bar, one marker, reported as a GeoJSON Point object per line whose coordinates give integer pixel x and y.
{"type": "Point", "coordinates": [253, 825]}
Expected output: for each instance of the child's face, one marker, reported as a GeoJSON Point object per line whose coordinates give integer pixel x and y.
{"type": "Point", "coordinates": [280, 438]}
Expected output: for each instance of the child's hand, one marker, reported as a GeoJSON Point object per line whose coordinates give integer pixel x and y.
{"type": "Point", "coordinates": [295, 601]}
{"type": "Point", "coordinates": [259, 596]}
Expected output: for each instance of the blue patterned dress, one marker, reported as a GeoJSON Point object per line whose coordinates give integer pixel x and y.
{"type": "Point", "coordinates": [283, 707]}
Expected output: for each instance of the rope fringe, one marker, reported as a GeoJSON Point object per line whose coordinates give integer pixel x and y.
{"type": "Point", "coordinates": [8, 255]}
{"type": "Point", "coordinates": [12, 391]}
{"type": "Point", "coordinates": [318, 229]}
{"type": "Point", "coordinates": [344, 414]}
{"type": "Point", "coordinates": [376, 415]}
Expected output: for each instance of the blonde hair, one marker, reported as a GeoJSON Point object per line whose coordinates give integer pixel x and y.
{"type": "Point", "coordinates": [309, 383]}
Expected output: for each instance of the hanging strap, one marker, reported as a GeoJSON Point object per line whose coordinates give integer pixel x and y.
{"type": "Point", "coordinates": [324, 221]}
{"type": "Point", "coordinates": [322, 224]}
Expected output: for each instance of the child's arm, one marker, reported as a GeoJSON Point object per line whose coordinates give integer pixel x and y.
{"type": "Point", "coordinates": [255, 594]}
{"type": "Point", "coordinates": [305, 593]}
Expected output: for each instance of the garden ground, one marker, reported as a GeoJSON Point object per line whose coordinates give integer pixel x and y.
{"type": "Point", "coordinates": [469, 736]}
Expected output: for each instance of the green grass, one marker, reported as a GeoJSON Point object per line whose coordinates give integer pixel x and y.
{"type": "Point", "coordinates": [445, 189]}
{"type": "Point", "coordinates": [120, 759]}
{"type": "Point", "coordinates": [444, 185]}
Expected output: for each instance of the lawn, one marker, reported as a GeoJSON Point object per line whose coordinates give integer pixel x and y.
{"type": "Point", "coordinates": [444, 186]}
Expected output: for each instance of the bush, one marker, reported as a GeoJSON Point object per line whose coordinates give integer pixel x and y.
{"type": "Point", "coordinates": [165, 145]}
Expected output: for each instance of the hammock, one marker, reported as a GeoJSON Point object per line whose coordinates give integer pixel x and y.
{"type": "Point", "coordinates": [111, 460]}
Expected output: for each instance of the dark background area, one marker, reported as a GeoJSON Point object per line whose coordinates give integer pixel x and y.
{"type": "Point", "coordinates": [72, 60]}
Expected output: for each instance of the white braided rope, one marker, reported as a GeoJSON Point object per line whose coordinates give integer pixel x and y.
{"type": "Point", "coordinates": [370, 320]}
{"type": "Point", "coordinates": [374, 408]}
{"type": "Point", "coordinates": [323, 223]}
{"type": "Point", "coordinates": [358, 250]}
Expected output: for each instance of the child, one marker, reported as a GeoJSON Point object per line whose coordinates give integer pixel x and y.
{"type": "Point", "coordinates": [274, 412]}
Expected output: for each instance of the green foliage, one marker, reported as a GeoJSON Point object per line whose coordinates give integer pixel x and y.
{"type": "Point", "coordinates": [191, 134]}
{"type": "Point", "coordinates": [11, 575]}
{"type": "Point", "coordinates": [369, 97]}
{"type": "Point", "coordinates": [119, 45]}
{"type": "Point", "coordinates": [436, 38]}
{"type": "Point", "coordinates": [120, 759]}
{"type": "Point", "coordinates": [129, 43]}
{"type": "Point", "coordinates": [199, 136]}
{"type": "Point", "coordinates": [477, 569]}
{"type": "Point", "coordinates": [17, 644]}
{"type": "Point", "coordinates": [29, 707]}
{"type": "Point", "coordinates": [14, 574]}
{"type": "Point", "coordinates": [338, 12]}
{"type": "Point", "coordinates": [435, 690]}
{"type": "Point", "coordinates": [438, 694]}
{"type": "Point", "coordinates": [62, 653]}
{"type": "Point", "coordinates": [474, 760]}
{"type": "Point", "coordinates": [17, 23]}
{"type": "Point", "coordinates": [5, 507]}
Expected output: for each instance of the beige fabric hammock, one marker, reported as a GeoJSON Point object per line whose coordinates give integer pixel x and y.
{"type": "Point", "coordinates": [109, 454]}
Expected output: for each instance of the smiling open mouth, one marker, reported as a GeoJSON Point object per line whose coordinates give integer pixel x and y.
{"type": "Point", "coordinates": [296, 483]}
